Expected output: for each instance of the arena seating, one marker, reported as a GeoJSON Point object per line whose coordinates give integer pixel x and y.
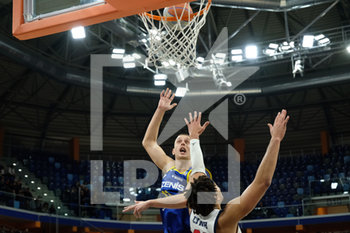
{"type": "Point", "coordinates": [296, 177]}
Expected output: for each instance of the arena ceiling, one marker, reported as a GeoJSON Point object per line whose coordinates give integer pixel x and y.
{"type": "Point", "coordinates": [45, 97]}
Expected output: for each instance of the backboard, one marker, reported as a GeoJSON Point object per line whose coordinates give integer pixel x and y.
{"type": "Point", "coordinates": [37, 18]}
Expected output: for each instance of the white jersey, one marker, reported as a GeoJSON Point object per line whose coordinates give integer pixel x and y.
{"type": "Point", "coordinates": [207, 224]}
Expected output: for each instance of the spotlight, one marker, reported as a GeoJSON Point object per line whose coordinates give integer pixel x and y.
{"type": "Point", "coordinates": [220, 55]}
{"type": "Point", "coordinates": [159, 79]}
{"type": "Point", "coordinates": [308, 41]}
{"type": "Point", "coordinates": [129, 62]}
{"type": "Point", "coordinates": [181, 75]}
{"type": "Point", "coordinates": [78, 32]}
{"type": "Point", "coordinates": [129, 65]}
{"type": "Point", "coordinates": [136, 56]}
{"type": "Point", "coordinates": [118, 53]}
{"type": "Point", "coordinates": [237, 58]}
{"type": "Point", "coordinates": [219, 58]}
{"type": "Point", "coordinates": [181, 91]}
{"type": "Point", "coordinates": [237, 55]}
{"type": "Point", "coordinates": [269, 52]}
{"type": "Point", "coordinates": [334, 185]}
{"type": "Point", "coordinates": [236, 51]}
{"type": "Point", "coordinates": [273, 46]}
{"type": "Point", "coordinates": [348, 48]}
{"type": "Point", "coordinates": [126, 200]}
{"type": "Point", "coordinates": [200, 59]}
{"type": "Point", "coordinates": [251, 52]}
{"type": "Point", "coordinates": [322, 40]}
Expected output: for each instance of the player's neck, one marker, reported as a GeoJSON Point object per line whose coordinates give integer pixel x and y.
{"type": "Point", "coordinates": [182, 165]}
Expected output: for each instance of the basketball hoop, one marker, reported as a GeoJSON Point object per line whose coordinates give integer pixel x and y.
{"type": "Point", "coordinates": [173, 40]}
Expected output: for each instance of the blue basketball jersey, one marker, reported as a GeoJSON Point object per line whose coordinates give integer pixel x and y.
{"type": "Point", "coordinates": [174, 182]}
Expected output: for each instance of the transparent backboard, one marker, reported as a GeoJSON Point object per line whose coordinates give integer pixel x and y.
{"type": "Point", "coordinates": [37, 18]}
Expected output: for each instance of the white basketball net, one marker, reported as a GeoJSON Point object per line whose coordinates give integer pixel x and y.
{"type": "Point", "coordinates": [172, 44]}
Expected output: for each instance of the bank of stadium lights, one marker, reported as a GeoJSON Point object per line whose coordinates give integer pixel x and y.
{"type": "Point", "coordinates": [78, 32]}
{"type": "Point", "coordinates": [237, 55]}
{"type": "Point", "coordinates": [322, 40]}
{"type": "Point", "coordinates": [118, 53]}
{"type": "Point", "coordinates": [160, 79]}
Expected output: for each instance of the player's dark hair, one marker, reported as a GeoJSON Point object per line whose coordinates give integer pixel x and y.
{"type": "Point", "coordinates": [202, 184]}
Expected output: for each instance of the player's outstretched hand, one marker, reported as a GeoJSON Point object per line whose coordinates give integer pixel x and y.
{"type": "Point", "coordinates": [279, 127]}
{"type": "Point", "coordinates": [195, 129]}
{"type": "Point", "coordinates": [138, 208]}
{"type": "Point", "coordinates": [165, 100]}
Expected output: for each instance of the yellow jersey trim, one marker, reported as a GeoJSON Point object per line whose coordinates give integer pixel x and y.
{"type": "Point", "coordinates": [188, 175]}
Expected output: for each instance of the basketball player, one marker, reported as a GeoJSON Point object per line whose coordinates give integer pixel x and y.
{"type": "Point", "coordinates": [175, 172]}
{"type": "Point", "coordinates": [209, 218]}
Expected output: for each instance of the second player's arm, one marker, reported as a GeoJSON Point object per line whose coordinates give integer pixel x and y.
{"type": "Point", "coordinates": [243, 205]}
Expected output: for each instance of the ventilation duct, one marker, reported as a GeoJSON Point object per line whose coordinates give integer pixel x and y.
{"type": "Point", "coordinates": [269, 5]}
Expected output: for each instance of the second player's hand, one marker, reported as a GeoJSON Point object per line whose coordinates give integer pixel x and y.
{"type": "Point", "coordinates": [165, 100]}
{"type": "Point", "coordinates": [195, 129]}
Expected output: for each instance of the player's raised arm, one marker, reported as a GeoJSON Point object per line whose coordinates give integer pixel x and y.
{"type": "Point", "coordinates": [243, 205]}
{"type": "Point", "coordinates": [149, 142]}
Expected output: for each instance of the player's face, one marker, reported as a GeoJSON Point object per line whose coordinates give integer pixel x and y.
{"type": "Point", "coordinates": [182, 147]}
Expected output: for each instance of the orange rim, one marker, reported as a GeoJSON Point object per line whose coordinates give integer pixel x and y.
{"type": "Point", "coordinates": [184, 18]}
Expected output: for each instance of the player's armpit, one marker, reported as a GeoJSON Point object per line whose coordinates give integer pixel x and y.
{"type": "Point", "coordinates": [158, 156]}
{"type": "Point", "coordinates": [241, 206]}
